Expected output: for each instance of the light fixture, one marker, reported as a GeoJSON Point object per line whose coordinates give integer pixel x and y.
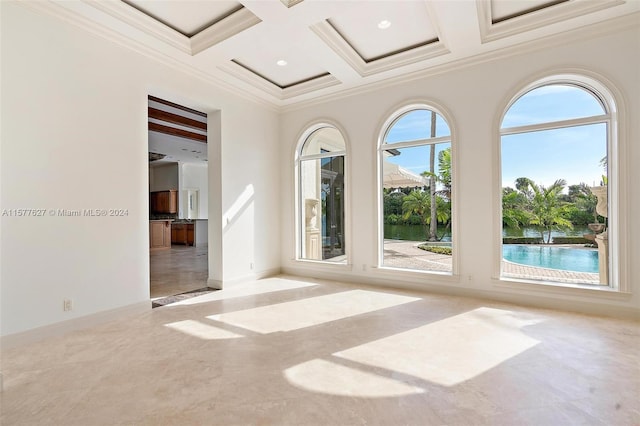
{"type": "Point", "coordinates": [383, 25]}
{"type": "Point", "coordinates": [281, 63]}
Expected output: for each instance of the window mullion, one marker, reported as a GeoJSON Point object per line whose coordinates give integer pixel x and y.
{"type": "Point", "coordinates": [555, 125]}
{"type": "Point", "coordinates": [417, 142]}
{"type": "Point", "coordinates": [323, 155]}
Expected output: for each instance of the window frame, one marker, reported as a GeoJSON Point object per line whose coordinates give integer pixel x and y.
{"type": "Point", "coordinates": [606, 94]}
{"type": "Point", "coordinates": [298, 209]}
{"type": "Point", "coordinates": [389, 122]}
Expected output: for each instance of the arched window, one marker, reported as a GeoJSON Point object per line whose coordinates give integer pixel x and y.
{"type": "Point", "coordinates": [556, 145]}
{"type": "Point", "coordinates": [321, 195]}
{"type": "Point", "coordinates": [416, 183]}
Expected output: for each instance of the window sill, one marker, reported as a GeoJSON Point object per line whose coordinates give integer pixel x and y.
{"type": "Point", "coordinates": [396, 272]}
{"type": "Point", "coordinates": [324, 264]}
{"type": "Point", "coordinates": [600, 292]}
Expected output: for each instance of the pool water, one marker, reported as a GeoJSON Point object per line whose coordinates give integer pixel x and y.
{"type": "Point", "coordinates": [566, 259]}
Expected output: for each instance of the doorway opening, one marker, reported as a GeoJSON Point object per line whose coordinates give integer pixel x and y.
{"type": "Point", "coordinates": [178, 201]}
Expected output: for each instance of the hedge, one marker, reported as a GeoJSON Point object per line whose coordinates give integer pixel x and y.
{"type": "Point", "coordinates": [571, 240]}
{"type": "Point", "coordinates": [522, 240]}
{"type": "Point", "coordinates": [538, 240]}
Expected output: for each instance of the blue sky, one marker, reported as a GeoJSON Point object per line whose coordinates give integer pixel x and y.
{"type": "Point", "coordinates": [412, 126]}
{"type": "Point", "coordinates": [572, 154]}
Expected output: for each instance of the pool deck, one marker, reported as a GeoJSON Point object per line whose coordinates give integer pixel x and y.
{"type": "Point", "coordinates": [406, 254]}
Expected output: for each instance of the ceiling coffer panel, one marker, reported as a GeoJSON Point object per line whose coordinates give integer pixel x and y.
{"type": "Point", "coordinates": [383, 29]}
{"type": "Point", "coordinates": [187, 17]}
{"type": "Point", "coordinates": [282, 69]}
{"type": "Point", "coordinates": [264, 82]}
{"type": "Point", "coordinates": [378, 36]}
{"type": "Point", "coordinates": [504, 18]}
{"type": "Point", "coordinates": [281, 84]}
{"type": "Point", "coordinates": [502, 10]}
{"type": "Point", "coordinates": [191, 26]}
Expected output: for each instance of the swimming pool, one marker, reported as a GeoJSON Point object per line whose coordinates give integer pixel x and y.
{"type": "Point", "coordinates": [565, 259]}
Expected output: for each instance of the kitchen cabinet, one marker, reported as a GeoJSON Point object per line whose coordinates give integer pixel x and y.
{"type": "Point", "coordinates": [159, 235]}
{"type": "Point", "coordinates": [182, 233]}
{"type": "Point", "coordinates": [164, 201]}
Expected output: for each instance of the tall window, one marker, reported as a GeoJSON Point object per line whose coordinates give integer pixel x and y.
{"type": "Point", "coordinates": [415, 189]}
{"type": "Point", "coordinates": [555, 185]}
{"type": "Point", "coordinates": [321, 168]}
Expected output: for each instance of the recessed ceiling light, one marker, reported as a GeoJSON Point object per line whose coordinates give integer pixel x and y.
{"type": "Point", "coordinates": [281, 63]}
{"type": "Point", "coordinates": [383, 25]}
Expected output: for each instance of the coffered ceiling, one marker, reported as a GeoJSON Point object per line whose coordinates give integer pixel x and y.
{"type": "Point", "coordinates": [288, 51]}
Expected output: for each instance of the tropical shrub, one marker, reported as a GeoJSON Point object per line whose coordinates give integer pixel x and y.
{"type": "Point", "coordinates": [436, 249]}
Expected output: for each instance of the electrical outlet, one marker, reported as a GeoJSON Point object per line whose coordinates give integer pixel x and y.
{"type": "Point", "coordinates": [251, 265]}
{"type": "Point", "coordinates": [67, 305]}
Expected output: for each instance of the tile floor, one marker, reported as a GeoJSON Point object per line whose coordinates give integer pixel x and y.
{"type": "Point", "coordinates": [290, 351]}
{"type": "Point", "coordinates": [178, 270]}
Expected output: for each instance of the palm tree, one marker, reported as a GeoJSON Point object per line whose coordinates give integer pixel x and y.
{"type": "Point", "coordinates": [444, 172]}
{"type": "Point", "coordinates": [442, 197]}
{"type": "Point", "coordinates": [522, 185]}
{"type": "Point", "coordinates": [417, 202]}
{"type": "Point", "coordinates": [547, 210]}
{"type": "Point", "coordinates": [433, 228]}
{"type": "Point", "coordinates": [514, 208]}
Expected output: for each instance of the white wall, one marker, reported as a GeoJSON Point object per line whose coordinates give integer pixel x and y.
{"type": "Point", "coordinates": [475, 96]}
{"type": "Point", "coordinates": [194, 177]}
{"type": "Point", "coordinates": [201, 236]}
{"type": "Point", "coordinates": [164, 177]}
{"type": "Point", "coordinates": [74, 136]}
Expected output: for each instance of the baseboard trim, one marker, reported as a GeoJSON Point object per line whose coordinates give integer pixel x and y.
{"type": "Point", "coordinates": [221, 284]}
{"type": "Point", "coordinates": [63, 327]}
{"type": "Point", "coordinates": [217, 284]}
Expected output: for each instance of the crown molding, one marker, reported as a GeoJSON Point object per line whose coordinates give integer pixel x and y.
{"type": "Point", "coordinates": [240, 72]}
{"type": "Point", "coordinates": [210, 36]}
{"type": "Point", "coordinates": [74, 18]}
{"type": "Point", "coordinates": [536, 19]}
{"type": "Point", "coordinates": [290, 3]}
{"type": "Point", "coordinates": [140, 20]}
{"type": "Point", "coordinates": [599, 29]}
{"type": "Point", "coordinates": [309, 86]}
{"type": "Point", "coordinates": [342, 48]}
{"type": "Point", "coordinates": [222, 30]}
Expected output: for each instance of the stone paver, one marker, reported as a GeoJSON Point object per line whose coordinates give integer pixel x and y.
{"type": "Point", "coordinates": [406, 254]}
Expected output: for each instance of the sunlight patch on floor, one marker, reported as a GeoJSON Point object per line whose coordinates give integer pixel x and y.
{"type": "Point", "coordinates": [450, 351]}
{"type": "Point", "coordinates": [312, 311]}
{"type": "Point", "coordinates": [201, 330]}
{"type": "Point", "coordinates": [327, 377]}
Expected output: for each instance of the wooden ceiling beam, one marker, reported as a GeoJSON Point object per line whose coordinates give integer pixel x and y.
{"type": "Point", "coordinates": [155, 127]}
{"type": "Point", "coordinates": [174, 105]}
{"type": "Point", "coordinates": [176, 119]}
